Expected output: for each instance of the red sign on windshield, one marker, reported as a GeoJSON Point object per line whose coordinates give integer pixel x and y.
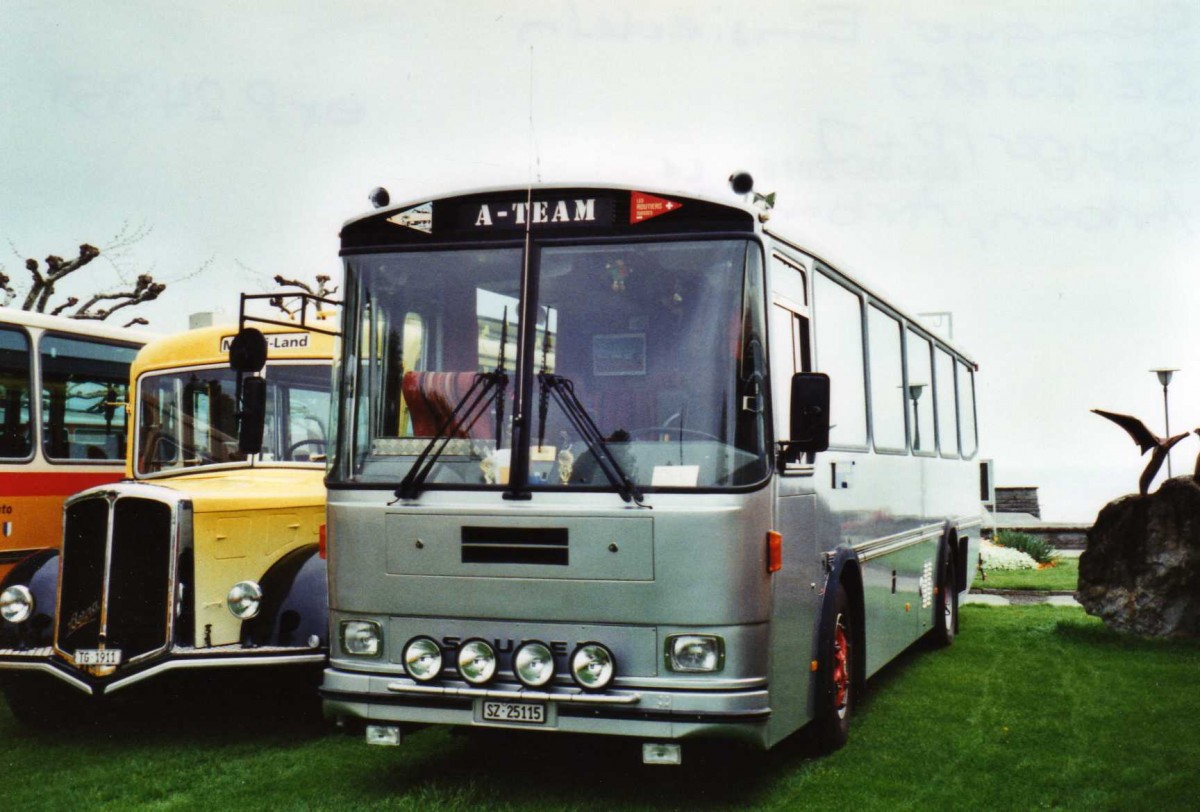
{"type": "Point", "coordinates": [643, 206]}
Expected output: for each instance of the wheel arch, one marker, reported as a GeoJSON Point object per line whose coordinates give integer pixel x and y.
{"type": "Point", "coordinates": [39, 574]}
{"type": "Point", "coordinates": [844, 568]}
{"type": "Point", "coordinates": [295, 604]}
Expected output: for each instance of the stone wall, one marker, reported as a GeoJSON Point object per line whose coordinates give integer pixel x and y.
{"type": "Point", "coordinates": [1018, 500]}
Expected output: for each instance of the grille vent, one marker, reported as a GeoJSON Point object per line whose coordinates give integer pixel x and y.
{"type": "Point", "coordinates": [513, 545]}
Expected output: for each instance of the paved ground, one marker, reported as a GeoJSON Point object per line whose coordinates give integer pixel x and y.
{"type": "Point", "coordinates": [1017, 598]}
{"type": "Point", "coordinates": [1020, 598]}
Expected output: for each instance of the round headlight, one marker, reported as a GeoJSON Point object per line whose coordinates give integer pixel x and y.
{"type": "Point", "coordinates": [476, 661]}
{"type": "Point", "coordinates": [16, 604]}
{"type": "Point", "coordinates": [244, 599]}
{"type": "Point", "coordinates": [593, 666]}
{"type": "Point", "coordinates": [422, 659]}
{"type": "Point", "coordinates": [533, 663]}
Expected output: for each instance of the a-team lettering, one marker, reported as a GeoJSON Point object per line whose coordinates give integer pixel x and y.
{"type": "Point", "coordinates": [537, 212]}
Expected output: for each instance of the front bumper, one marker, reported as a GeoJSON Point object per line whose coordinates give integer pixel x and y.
{"type": "Point", "coordinates": [653, 713]}
{"type": "Point", "coordinates": [45, 661]}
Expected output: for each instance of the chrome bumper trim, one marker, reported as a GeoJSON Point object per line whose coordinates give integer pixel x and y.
{"type": "Point", "coordinates": [519, 696]}
{"type": "Point", "coordinates": [46, 667]}
{"type": "Point", "coordinates": [213, 662]}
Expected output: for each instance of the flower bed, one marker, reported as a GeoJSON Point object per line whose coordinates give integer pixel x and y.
{"type": "Point", "coordinates": [993, 557]}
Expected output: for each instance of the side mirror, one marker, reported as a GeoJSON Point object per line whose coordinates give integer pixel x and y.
{"type": "Point", "coordinates": [248, 351]}
{"type": "Point", "coordinates": [253, 415]}
{"type": "Point", "coordinates": [810, 415]}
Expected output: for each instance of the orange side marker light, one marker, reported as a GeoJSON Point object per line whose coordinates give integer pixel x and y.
{"type": "Point", "coordinates": [774, 551]}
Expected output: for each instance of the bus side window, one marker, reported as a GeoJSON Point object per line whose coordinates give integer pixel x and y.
{"type": "Point", "coordinates": [919, 389]}
{"type": "Point", "coordinates": [966, 410]}
{"type": "Point", "coordinates": [791, 354]}
{"type": "Point", "coordinates": [839, 328]}
{"type": "Point", "coordinates": [884, 343]}
{"type": "Point", "coordinates": [84, 387]}
{"type": "Point", "coordinates": [947, 412]}
{"type": "Point", "coordinates": [16, 436]}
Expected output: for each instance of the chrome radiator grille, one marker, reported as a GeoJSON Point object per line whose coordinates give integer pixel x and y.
{"type": "Point", "coordinates": [115, 587]}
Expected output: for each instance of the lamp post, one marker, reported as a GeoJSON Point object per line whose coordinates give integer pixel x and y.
{"type": "Point", "coordinates": [914, 393]}
{"type": "Point", "coordinates": [1164, 377]}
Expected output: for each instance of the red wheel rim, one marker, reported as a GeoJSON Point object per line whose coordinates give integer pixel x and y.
{"type": "Point", "coordinates": [841, 668]}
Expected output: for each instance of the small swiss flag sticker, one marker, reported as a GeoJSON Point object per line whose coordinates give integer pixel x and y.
{"type": "Point", "coordinates": [643, 206]}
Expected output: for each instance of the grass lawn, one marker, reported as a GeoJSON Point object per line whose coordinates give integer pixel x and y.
{"type": "Point", "coordinates": [1033, 707]}
{"type": "Point", "coordinates": [1060, 578]}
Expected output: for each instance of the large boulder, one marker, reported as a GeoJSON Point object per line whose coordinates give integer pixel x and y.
{"type": "Point", "coordinates": [1141, 570]}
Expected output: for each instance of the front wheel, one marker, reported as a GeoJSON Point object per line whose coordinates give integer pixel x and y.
{"type": "Point", "coordinates": [43, 705]}
{"type": "Point", "coordinates": [837, 694]}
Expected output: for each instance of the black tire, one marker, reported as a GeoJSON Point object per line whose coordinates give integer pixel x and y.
{"type": "Point", "coordinates": [945, 602]}
{"type": "Point", "coordinates": [837, 691]}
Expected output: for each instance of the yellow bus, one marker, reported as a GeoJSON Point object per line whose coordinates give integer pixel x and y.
{"type": "Point", "coordinates": [203, 556]}
{"type": "Point", "coordinates": [62, 420]}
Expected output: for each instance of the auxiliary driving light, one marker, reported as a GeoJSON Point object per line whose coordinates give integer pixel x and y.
{"type": "Point", "coordinates": [695, 653]}
{"type": "Point", "coordinates": [476, 661]}
{"type": "Point", "coordinates": [422, 659]}
{"type": "Point", "coordinates": [533, 663]}
{"type": "Point", "coordinates": [16, 604]}
{"type": "Point", "coordinates": [592, 666]}
{"type": "Point", "coordinates": [362, 638]}
{"type": "Point", "coordinates": [244, 599]}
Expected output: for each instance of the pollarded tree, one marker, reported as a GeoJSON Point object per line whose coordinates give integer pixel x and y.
{"type": "Point", "coordinates": [292, 305]}
{"type": "Point", "coordinates": [44, 283]}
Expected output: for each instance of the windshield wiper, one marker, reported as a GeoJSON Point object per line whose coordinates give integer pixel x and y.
{"type": "Point", "coordinates": [485, 388]}
{"type": "Point", "coordinates": [563, 391]}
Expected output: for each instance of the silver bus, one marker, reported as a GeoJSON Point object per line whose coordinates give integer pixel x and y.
{"type": "Point", "coordinates": [631, 463]}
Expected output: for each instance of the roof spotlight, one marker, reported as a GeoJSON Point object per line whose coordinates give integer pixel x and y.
{"type": "Point", "coordinates": [379, 197]}
{"type": "Point", "coordinates": [741, 182]}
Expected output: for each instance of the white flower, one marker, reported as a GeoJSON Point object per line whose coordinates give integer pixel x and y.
{"type": "Point", "coordinates": [995, 557]}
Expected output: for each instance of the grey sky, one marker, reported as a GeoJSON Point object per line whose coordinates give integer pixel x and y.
{"type": "Point", "coordinates": [1030, 167]}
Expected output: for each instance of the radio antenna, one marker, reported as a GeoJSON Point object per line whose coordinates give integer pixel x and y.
{"type": "Point", "coordinates": [535, 158]}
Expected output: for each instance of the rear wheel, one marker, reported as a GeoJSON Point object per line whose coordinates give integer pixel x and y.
{"type": "Point", "coordinates": [837, 694]}
{"type": "Point", "coordinates": [945, 604]}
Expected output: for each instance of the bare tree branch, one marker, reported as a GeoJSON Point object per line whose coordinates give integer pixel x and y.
{"type": "Point", "coordinates": [145, 290]}
{"type": "Point", "coordinates": [43, 286]}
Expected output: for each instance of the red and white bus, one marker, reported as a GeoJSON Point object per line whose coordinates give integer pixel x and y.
{"type": "Point", "coordinates": [63, 393]}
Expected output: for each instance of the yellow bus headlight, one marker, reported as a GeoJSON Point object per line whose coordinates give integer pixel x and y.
{"type": "Point", "coordinates": [244, 599]}
{"type": "Point", "coordinates": [16, 604]}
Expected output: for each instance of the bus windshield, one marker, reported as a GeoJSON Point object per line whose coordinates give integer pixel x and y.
{"type": "Point", "coordinates": [186, 418]}
{"type": "Point", "coordinates": [658, 345]}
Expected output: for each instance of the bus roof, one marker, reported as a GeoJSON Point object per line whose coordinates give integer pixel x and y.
{"type": "Point", "coordinates": [501, 214]}
{"type": "Point", "coordinates": [210, 345]}
{"type": "Point", "coordinates": [65, 324]}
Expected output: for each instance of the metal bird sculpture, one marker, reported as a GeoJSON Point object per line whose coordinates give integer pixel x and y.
{"type": "Point", "coordinates": [1146, 440]}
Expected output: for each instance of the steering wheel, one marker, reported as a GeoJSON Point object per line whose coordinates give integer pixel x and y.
{"type": "Point", "coordinates": [291, 452]}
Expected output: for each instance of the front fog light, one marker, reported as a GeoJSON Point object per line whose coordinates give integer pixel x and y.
{"type": "Point", "coordinates": [361, 638]}
{"type": "Point", "coordinates": [16, 604]}
{"type": "Point", "coordinates": [476, 661]}
{"type": "Point", "coordinates": [593, 666]}
{"type": "Point", "coordinates": [533, 663]}
{"type": "Point", "coordinates": [695, 653]}
{"type": "Point", "coordinates": [244, 599]}
{"type": "Point", "coordinates": [422, 659]}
